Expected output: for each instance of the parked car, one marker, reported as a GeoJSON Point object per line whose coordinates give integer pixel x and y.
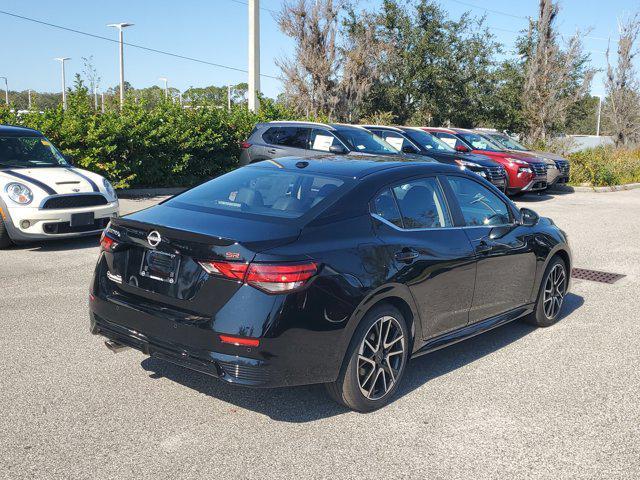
{"type": "Point", "coordinates": [524, 172]}
{"type": "Point", "coordinates": [411, 140]}
{"type": "Point", "coordinates": [43, 196]}
{"type": "Point", "coordinates": [306, 139]}
{"type": "Point", "coordinates": [558, 168]}
{"type": "Point", "coordinates": [334, 270]}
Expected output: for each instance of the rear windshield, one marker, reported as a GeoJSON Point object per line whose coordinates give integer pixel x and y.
{"type": "Point", "coordinates": [263, 192]}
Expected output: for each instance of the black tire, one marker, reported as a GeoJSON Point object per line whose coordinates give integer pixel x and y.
{"type": "Point", "coordinates": [5, 240]}
{"type": "Point", "coordinates": [347, 388]}
{"type": "Point", "coordinates": [542, 316]}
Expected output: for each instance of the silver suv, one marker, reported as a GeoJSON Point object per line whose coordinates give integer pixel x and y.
{"type": "Point", "coordinates": [306, 139]}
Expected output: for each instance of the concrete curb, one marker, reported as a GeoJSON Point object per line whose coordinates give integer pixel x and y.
{"type": "Point", "coordinates": [612, 188]}
{"type": "Point", "coordinates": [149, 192]}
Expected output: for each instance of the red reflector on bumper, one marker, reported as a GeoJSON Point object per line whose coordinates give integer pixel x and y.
{"type": "Point", "coordinates": [240, 341]}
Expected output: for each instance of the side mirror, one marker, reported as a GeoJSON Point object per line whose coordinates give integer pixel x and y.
{"type": "Point", "coordinates": [462, 148]}
{"type": "Point", "coordinates": [409, 149]}
{"type": "Point", "coordinates": [337, 149]}
{"type": "Point", "coordinates": [528, 217]}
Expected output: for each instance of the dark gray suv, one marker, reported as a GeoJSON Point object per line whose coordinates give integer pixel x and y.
{"type": "Point", "coordinates": [305, 139]}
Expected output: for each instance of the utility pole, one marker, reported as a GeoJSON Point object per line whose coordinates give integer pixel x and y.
{"type": "Point", "coordinates": [166, 86]}
{"type": "Point", "coordinates": [6, 90]}
{"type": "Point", "coordinates": [229, 97]}
{"type": "Point", "coordinates": [64, 82]}
{"type": "Point", "coordinates": [121, 27]}
{"type": "Point", "coordinates": [29, 96]}
{"type": "Point", "coordinates": [102, 95]}
{"type": "Point", "coordinates": [599, 111]}
{"type": "Point", "coordinates": [254, 54]}
{"type": "Point", "coordinates": [95, 98]}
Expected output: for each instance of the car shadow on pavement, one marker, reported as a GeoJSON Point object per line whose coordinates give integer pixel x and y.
{"type": "Point", "coordinates": [540, 196]}
{"type": "Point", "coordinates": [309, 403]}
{"type": "Point", "coordinates": [60, 245]}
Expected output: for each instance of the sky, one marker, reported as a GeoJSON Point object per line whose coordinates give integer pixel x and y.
{"type": "Point", "coordinates": [216, 31]}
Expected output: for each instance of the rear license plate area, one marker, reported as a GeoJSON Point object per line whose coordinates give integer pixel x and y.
{"type": "Point", "coordinates": [160, 266]}
{"type": "Point", "coordinates": [82, 219]}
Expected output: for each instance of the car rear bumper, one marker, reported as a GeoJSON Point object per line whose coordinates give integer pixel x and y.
{"type": "Point", "coordinates": [230, 368]}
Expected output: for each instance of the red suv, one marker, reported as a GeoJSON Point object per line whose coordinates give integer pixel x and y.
{"type": "Point", "coordinates": [525, 173]}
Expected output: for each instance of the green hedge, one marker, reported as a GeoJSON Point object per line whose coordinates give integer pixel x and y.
{"type": "Point", "coordinates": [142, 146]}
{"type": "Point", "coordinates": [604, 166]}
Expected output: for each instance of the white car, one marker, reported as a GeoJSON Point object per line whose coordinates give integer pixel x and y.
{"type": "Point", "coordinates": [43, 196]}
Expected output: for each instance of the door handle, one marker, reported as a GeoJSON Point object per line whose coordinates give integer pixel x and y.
{"type": "Point", "coordinates": [272, 151]}
{"type": "Point", "coordinates": [406, 255]}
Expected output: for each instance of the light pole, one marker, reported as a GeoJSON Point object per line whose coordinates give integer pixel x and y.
{"type": "Point", "coordinates": [599, 111]}
{"type": "Point", "coordinates": [121, 27]}
{"type": "Point", "coordinates": [6, 90]}
{"type": "Point", "coordinates": [254, 54]}
{"type": "Point", "coordinates": [64, 83]}
{"type": "Point", "coordinates": [29, 94]}
{"type": "Point", "coordinates": [102, 97]}
{"type": "Point", "coordinates": [166, 86]}
{"type": "Point", "coordinates": [229, 97]}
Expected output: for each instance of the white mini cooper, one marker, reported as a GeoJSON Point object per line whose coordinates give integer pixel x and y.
{"type": "Point", "coordinates": [42, 196]}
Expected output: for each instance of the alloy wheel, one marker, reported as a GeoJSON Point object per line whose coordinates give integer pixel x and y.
{"type": "Point", "coordinates": [554, 290]}
{"type": "Point", "coordinates": [381, 358]}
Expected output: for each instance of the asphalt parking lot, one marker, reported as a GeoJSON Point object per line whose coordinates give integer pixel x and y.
{"type": "Point", "coordinates": [516, 402]}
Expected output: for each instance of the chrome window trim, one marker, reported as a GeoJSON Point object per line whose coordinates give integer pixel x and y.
{"type": "Point", "coordinates": [431, 229]}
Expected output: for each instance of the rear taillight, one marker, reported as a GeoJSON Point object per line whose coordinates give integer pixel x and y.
{"type": "Point", "coordinates": [269, 278]}
{"type": "Point", "coordinates": [245, 145]}
{"type": "Point", "coordinates": [107, 244]}
{"type": "Point", "coordinates": [239, 341]}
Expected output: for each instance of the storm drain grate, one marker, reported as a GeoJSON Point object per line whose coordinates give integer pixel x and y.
{"type": "Point", "coordinates": [595, 275]}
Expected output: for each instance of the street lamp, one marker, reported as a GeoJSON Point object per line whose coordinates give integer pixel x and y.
{"type": "Point", "coordinates": [120, 27]}
{"type": "Point", "coordinates": [6, 90]}
{"type": "Point", "coordinates": [64, 83]}
{"type": "Point", "coordinates": [598, 119]}
{"type": "Point", "coordinates": [166, 85]}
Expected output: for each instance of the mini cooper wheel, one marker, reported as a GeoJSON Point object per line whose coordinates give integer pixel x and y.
{"type": "Point", "coordinates": [551, 295]}
{"type": "Point", "coordinates": [5, 240]}
{"type": "Point", "coordinates": [375, 361]}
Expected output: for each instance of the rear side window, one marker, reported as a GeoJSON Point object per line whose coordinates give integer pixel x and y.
{"type": "Point", "coordinates": [422, 204]}
{"type": "Point", "coordinates": [384, 205]}
{"type": "Point", "coordinates": [479, 205]}
{"type": "Point", "coordinates": [295, 137]}
{"type": "Point", "coordinates": [271, 193]}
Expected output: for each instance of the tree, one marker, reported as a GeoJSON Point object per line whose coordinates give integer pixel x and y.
{"type": "Point", "coordinates": [622, 106]}
{"type": "Point", "coordinates": [555, 78]}
{"type": "Point", "coordinates": [310, 77]}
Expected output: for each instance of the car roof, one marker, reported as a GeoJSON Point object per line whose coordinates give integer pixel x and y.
{"type": "Point", "coordinates": [302, 123]}
{"type": "Point", "coordinates": [15, 131]}
{"type": "Point", "coordinates": [349, 166]}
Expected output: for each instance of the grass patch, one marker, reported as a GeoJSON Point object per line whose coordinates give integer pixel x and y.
{"type": "Point", "coordinates": [605, 166]}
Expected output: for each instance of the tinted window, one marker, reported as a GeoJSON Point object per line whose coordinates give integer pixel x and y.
{"type": "Point", "coordinates": [422, 204]}
{"type": "Point", "coordinates": [449, 139]}
{"type": "Point", "coordinates": [295, 137]}
{"type": "Point", "coordinates": [395, 139]}
{"type": "Point", "coordinates": [479, 205]}
{"type": "Point", "coordinates": [385, 206]}
{"type": "Point", "coordinates": [361, 140]}
{"type": "Point", "coordinates": [261, 192]}
{"type": "Point", "coordinates": [428, 141]}
{"type": "Point", "coordinates": [322, 140]}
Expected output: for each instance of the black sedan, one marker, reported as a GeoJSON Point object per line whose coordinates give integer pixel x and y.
{"type": "Point", "coordinates": [336, 271]}
{"type": "Point", "coordinates": [415, 141]}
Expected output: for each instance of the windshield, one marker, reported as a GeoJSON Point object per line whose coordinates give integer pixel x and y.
{"type": "Point", "coordinates": [428, 141]}
{"type": "Point", "coordinates": [508, 142]}
{"type": "Point", "coordinates": [479, 142]}
{"type": "Point", "coordinates": [29, 152]}
{"type": "Point", "coordinates": [361, 140]}
{"type": "Point", "coordinates": [260, 191]}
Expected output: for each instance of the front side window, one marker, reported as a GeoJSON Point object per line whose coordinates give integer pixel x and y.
{"type": "Point", "coordinates": [450, 139]}
{"type": "Point", "coordinates": [260, 191]}
{"type": "Point", "coordinates": [422, 204]}
{"type": "Point", "coordinates": [430, 142]}
{"type": "Point", "coordinates": [322, 140]}
{"type": "Point", "coordinates": [396, 140]}
{"type": "Point", "coordinates": [480, 206]}
{"type": "Point", "coordinates": [384, 205]}
{"type": "Point", "coordinates": [508, 142]}
{"type": "Point", "coordinates": [29, 152]}
{"type": "Point", "coordinates": [295, 137]}
{"type": "Point", "coordinates": [361, 140]}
